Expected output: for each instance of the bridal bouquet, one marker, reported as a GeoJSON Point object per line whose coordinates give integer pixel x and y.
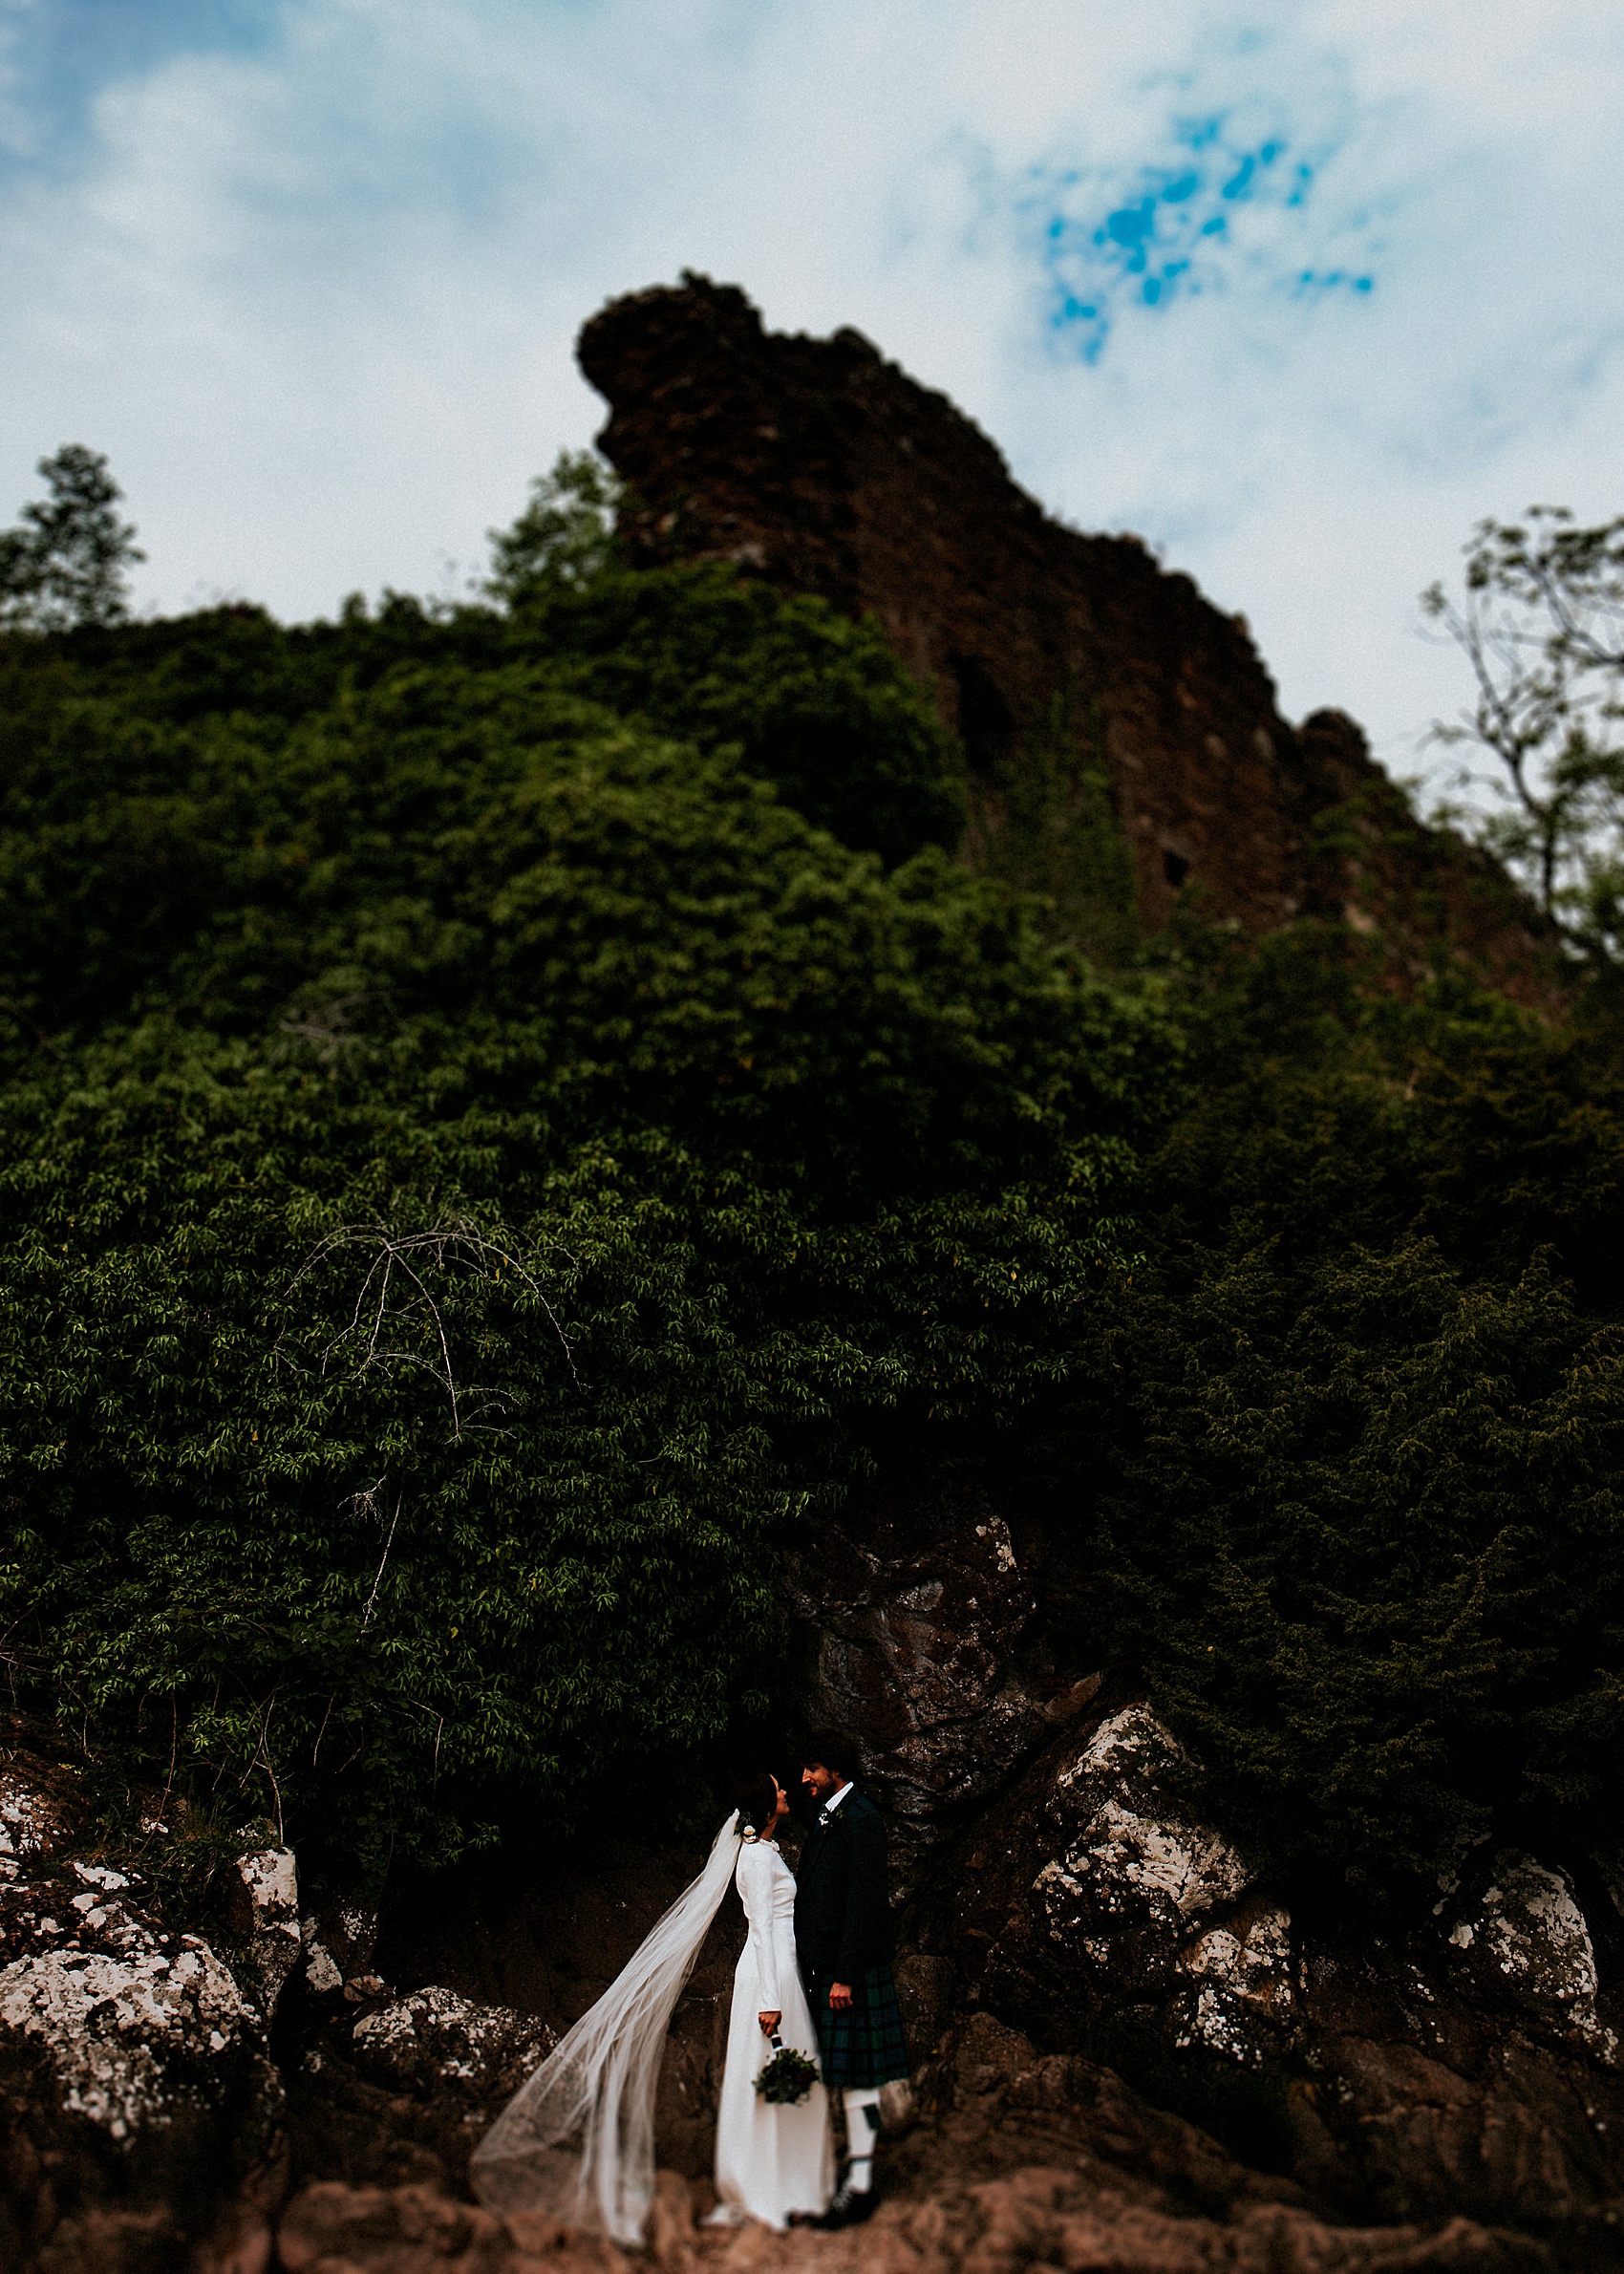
{"type": "Point", "coordinates": [788, 2077]}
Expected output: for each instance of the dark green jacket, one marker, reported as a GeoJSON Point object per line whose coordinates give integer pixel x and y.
{"type": "Point", "coordinates": [843, 1911]}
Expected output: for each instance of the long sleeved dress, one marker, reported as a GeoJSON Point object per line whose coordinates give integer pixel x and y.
{"type": "Point", "coordinates": [770, 2159]}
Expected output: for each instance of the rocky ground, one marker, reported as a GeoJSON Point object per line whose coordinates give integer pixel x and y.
{"type": "Point", "coordinates": [1446, 2098]}
{"type": "Point", "coordinates": [1131, 2052]}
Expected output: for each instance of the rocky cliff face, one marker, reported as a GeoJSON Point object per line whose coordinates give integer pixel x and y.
{"type": "Point", "coordinates": [1122, 735]}
{"type": "Point", "coordinates": [1130, 2053]}
{"type": "Point", "coordinates": [1466, 2061]}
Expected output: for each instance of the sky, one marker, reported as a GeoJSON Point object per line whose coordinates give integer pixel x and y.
{"type": "Point", "coordinates": [1297, 290]}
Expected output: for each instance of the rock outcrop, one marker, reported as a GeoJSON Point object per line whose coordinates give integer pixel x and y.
{"type": "Point", "coordinates": [397, 2089]}
{"type": "Point", "coordinates": [437, 2045]}
{"type": "Point", "coordinates": [1028, 2162]}
{"type": "Point", "coordinates": [1462, 2063]}
{"type": "Point", "coordinates": [916, 1618]}
{"type": "Point", "coordinates": [268, 1919]}
{"type": "Point", "coordinates": [139, 2110]}
{"type": "Point", "coordinates": [1092, 690]}
{"type": "Point", "coordinates": [1129, 2054]}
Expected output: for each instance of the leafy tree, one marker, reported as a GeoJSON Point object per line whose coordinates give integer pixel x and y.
{"type": "Point", "coordinates": [66, 564]}
{"type": "Point", "coordinates": [812, 701]}
{"type": "Point", "coordinates": [1339, 1472]}
{"type": "Point", "coordinates": [564, 536]}
{"type": "Point", "coordinates": [1541, 622]}
{"type": "Point", "coordinates": [478, 1172]}
{"type": "Point", "coordinates": [1368, 1545]}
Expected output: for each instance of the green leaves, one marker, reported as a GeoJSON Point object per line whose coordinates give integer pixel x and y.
{"type": "Point", "coordinates": [369, 1587]}
{"type": "Point", "coordinates": [1362, 1425]}
{"type": "Point", "coordinates": [1541, 624]}
{"type": "Point", "coordinates": [475, 1172]}
{"type": "Point", "coordinates": [810, 701]}
{"type": "Point", "coordinates": [564, 536]}
{"type": "Point", "coordinates": [64, 563]}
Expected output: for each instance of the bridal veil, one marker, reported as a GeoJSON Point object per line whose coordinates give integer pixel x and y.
{"type": "Point", "coordinates": [577, 2139]}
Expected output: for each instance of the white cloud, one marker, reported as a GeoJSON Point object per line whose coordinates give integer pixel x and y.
{"type": "Point", "coordinates": [317, 297]}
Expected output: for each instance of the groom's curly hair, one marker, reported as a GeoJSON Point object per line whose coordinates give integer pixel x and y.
{"type": "Point", "coordinates": [832, 1748]}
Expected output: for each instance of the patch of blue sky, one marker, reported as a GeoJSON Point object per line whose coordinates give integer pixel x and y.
{"type": "Point", "coordinates": [56, 56]}
{"type": "Point", "coordinates": [1224, 208]}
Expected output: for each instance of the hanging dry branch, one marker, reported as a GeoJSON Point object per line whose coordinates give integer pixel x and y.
{"type": "Point", "coordinates": [398, 1290]}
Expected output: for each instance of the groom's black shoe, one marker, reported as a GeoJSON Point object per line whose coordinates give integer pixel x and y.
{"type": "Point", "coordinates": [851, 2207]}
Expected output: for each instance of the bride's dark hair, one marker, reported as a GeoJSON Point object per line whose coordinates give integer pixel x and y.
{"type": "Point", "coordinates": [754, 1797]}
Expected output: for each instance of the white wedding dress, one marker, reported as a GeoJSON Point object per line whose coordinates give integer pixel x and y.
{"type": "Point", "coordinates": [771, 2159]}
{"type": "Point", "coordinates": [577, 2139]}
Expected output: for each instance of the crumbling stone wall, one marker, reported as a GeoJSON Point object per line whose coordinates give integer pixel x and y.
{"type": "Point", "coordinates": [1080, 674]}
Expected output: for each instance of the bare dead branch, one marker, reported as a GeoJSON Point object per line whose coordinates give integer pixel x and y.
{"type": "Point", "coordinates": [377, 1582]}
{"type": "Point", "coordinates": [420, 1258]}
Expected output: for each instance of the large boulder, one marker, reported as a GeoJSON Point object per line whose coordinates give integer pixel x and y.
{"type": "Point", "coordinates": [132, 2026]}
{"type": "Point", "coordinates": [914, 1616]}
{"type": "Point", "coordinates": [1130, 1863]}
{"type": "Point", "coordinates": [405, 2094]}
{"type": "Point", "coordinates": [1462, 2059]}
{"type": "Point", "coordinates": [1145, 1904]}
{"type": "Point", "coordinates": [136, 2091]}
{"type": "Point", "coordinates": [1132, 1857]}
{"type": "Point", "coordinates": [1523, 1939]}
{"type": "Point", "coordinates": [438, 2045]}
{"type": "Point", "coordinates": [1502, 2132]}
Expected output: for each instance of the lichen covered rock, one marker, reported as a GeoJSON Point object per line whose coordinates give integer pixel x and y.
{"type": "Point", "coordinates": [136, 2099]}
{"type": "Point", "coordinates": [437, 2044]}
{"type": "Point", "coordinates": [1240, 2000]}
{"type": "Point", "coordinates": [1138, 1883]}
{"type": "Point", "coordinates": [269, 1914]}
{"type": "Point", "coordinates": [129, 2035]}
{"type": "Point", "coordinates": [1527, 1935]}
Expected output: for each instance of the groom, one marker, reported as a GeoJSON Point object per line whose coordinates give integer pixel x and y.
{"type": "Point", "coordinates": [843, 1933]}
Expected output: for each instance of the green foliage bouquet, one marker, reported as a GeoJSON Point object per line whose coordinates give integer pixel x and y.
{"type": "Point", "coordinates": [787, 2079]}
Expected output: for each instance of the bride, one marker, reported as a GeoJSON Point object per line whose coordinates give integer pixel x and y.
{"type": "Point", "coordinates": [577, 2139]}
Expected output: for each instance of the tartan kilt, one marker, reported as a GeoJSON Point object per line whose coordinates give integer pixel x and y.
{"type": "Point", "coordinates": [865, 2045]}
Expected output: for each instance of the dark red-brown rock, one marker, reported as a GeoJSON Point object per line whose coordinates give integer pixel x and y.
{"type": "Point", "coordinates": [916, 1622]}
{"type": "Point", "coordinates": [1462, 2062]}
{"type": "Point", "coordinates": [1089, 685]}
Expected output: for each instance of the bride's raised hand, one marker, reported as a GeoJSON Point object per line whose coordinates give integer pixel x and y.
{"type": "Point", "coordinates": [769, 2022]}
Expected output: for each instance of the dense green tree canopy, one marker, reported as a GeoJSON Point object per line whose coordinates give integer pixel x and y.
{"type": "Point", "coordinates": [1357, 1427]}
{"type": "Point", "coordinates": [474, 1167]}
{"type": "Point", "coordinates": [508, 1111]}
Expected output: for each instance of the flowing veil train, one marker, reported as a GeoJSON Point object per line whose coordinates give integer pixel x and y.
{"type": "Point", "coordinates": [577, 2139]}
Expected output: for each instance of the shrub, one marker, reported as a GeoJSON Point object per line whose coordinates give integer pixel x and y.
{"type": "Point", "coordinates": [475, 1172]}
